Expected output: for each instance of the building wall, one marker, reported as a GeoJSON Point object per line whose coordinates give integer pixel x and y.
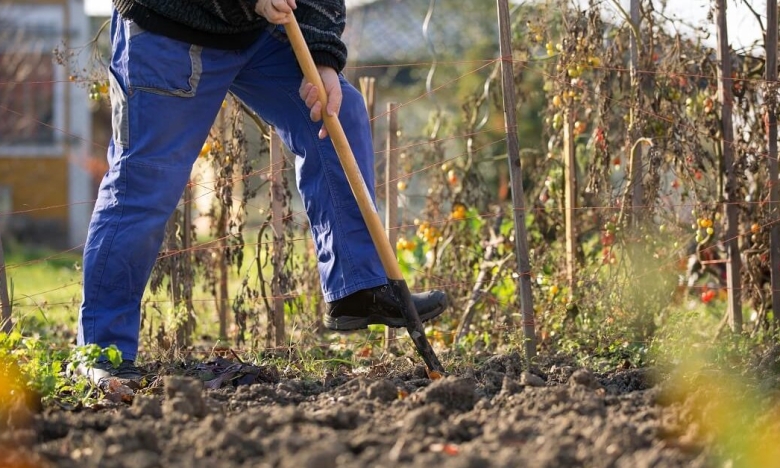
{"type": "Point", "coordinates": [35, 183]}
{"type": "Point", "coordinates": [46, 176]}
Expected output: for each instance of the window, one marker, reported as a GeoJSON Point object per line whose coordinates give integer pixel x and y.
{"type": "Point", "coordinates": [32, 97]}
{"type": "Point", "coordinates": [26, 99]}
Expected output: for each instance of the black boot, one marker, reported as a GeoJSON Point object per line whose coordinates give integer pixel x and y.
{"type": "Point", "coordinates": [380, 306]}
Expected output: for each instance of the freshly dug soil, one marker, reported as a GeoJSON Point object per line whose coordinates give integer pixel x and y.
{"type": "Point", "coordinates": [496, 415]}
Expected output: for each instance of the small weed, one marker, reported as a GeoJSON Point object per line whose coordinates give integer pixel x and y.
{"type": "Point", "coordinates": [36, 364]}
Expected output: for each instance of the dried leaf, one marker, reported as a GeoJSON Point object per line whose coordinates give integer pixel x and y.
{"type": "Point", "coordinates": [116, 391]}
{"type": "Point", "coordinates": [217, 382]}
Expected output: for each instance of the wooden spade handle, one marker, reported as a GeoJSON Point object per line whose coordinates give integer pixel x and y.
{"type": "Point", "coordinates": [367, 209]}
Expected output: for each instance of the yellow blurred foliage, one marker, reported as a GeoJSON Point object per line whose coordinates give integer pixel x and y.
{"type": "Point", "coordinates": [743, 425]}
{"type": "Point", "coordinates": [11, 382]}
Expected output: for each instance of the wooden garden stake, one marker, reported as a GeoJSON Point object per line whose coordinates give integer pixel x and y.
{"type": "Point", "coordinates": [368, 89]}
{"type": "Point", "coordinates": [187, 258]}
{"type": "Point", "coordinates": [570, 200]}
{"type": "Point", "coordinates": [181, 278]}
{"type": "Point", "coordinates": [182, 337]}
{"type": "Point", "coordinates": [222, 275]}
{"type": "Point", "coordinates": [774, 190]}
{"type": "Point", "coordinates": [391, 191]}
{"type": "Point", "coordinates": [367, 209]}
{"type": "Point", "coordinates": [5, 300]}
{"type": "Point", "coordinates": [730, 239]}
{"type": "Point", "coordinates": [636, 85]}
{"type": "Point", "coordinates": [222, 246]}
{"type": "Point", "coordinates": [516, 179]}
{"type": "Point", "coordinates": [276, 321]}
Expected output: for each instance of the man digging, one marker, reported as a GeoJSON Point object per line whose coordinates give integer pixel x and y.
{"type": "Point", "coordinates": [172, 63]}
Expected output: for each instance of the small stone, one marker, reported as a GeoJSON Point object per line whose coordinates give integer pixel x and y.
{"type": "Point", "coordinates": [528, 379]}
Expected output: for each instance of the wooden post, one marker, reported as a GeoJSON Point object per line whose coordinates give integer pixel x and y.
{"type": "Point", "coordinates": [637, 186]}
{"type": "Point", "coordinates": [222, 246]}
{"type": "Point", "coordinates": [187, 257]}
{"type": "Point", "coordinates": [276, 321]}
{"type": "Point", "coordinates": [516, 179]}
{"type": "Point", "coordinates": [570, 200]}
{"type": "Point", "coordinates": [172, 246]}
{"type": "Point", "coordinates": [774, 189]}
{"type": "Point", "coordinates": [5, 300]}
{"type": "Point", "coordinates": [367, 89]}
{"type": "Point", "coordinates": [182, 278]}
{"type": "Point", "coordinates": [730, 240]}
{"type": "Point", "coordinates": [222, 274]}
{"type": "Point", "coordinates": [391, 191]}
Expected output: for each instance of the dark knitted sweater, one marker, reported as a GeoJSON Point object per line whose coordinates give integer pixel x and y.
{"type": "Point", "coordinates": [233, 24]}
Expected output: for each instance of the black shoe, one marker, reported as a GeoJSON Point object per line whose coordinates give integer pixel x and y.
{"type": "Point", "coordinates": [102, 371]}
{"type": "Point", "coordinates": [380, 306]}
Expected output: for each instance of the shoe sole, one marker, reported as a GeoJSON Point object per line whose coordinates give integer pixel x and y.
{"type": "Point", "coordinates": [347, 323]}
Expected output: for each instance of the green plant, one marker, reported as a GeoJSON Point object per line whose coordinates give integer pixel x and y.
{"type": "Point", "coordinates": [37, 364]}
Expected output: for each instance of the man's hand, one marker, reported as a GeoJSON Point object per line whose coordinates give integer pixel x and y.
{"type": "Point", "coordinates": [309, 93]}
{"type": "Point", "coordinates": [275, 11]}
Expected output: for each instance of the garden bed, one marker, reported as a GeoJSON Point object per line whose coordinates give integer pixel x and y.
{"type": "Point", "coordinates": [495, 414]}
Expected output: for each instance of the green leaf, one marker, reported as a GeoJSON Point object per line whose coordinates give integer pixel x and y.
{"type": "Point", "coordinates": [114, 355]}
{"type": "Point", "coordinates": [14, 338]}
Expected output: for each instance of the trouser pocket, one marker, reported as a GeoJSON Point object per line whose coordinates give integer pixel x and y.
{"type": "Point", "coordinates": [161, 65]}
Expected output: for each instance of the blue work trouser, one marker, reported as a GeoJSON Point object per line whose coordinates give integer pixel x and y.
{"type": "Point", "coordinates": [165, 95]}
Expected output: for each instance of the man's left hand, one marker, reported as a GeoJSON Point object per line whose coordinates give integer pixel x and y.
{"type": "Point", "coordinates": [309, 93]}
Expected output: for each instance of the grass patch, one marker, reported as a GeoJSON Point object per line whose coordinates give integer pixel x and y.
{"type": "Point", "coordinates": [45, 285]}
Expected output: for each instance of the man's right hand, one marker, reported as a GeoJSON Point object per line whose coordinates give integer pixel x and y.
{"type": "Point", "coordinates": [275, 11]}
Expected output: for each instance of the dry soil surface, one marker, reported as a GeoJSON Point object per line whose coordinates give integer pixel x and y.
{"type": "Point", "coordinates": [496, 415]}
